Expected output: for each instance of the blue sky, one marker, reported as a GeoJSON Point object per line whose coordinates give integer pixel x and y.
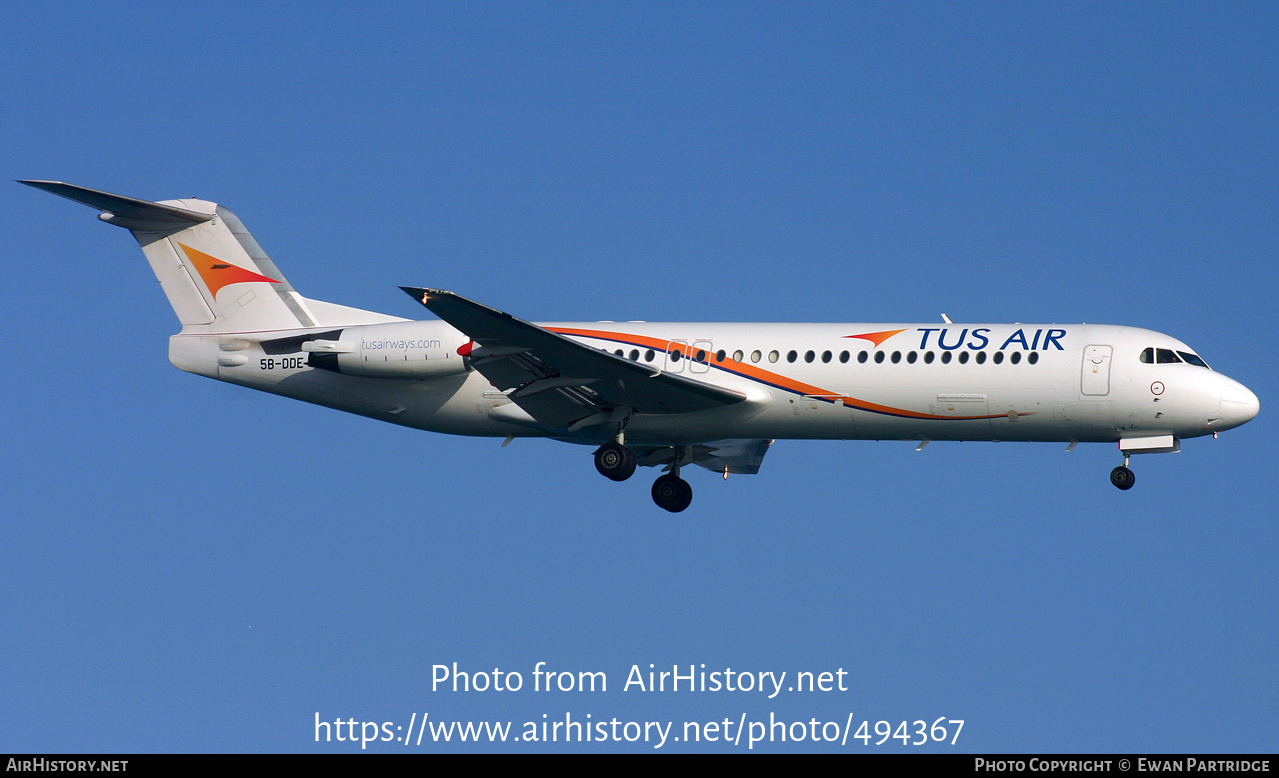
{"type": "Point", "coordinates": [190, 566]}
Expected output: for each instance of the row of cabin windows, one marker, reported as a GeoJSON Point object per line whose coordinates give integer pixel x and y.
{"type": "Point", "coordinates": [1166, 356]}
{"type": "Point", "coordinates": [911, 357]}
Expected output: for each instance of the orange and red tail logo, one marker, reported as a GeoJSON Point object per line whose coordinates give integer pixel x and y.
{"type": "Point", "coordinates": [217, 274]}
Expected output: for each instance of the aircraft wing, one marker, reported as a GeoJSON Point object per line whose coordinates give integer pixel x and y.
{"type": "Point", "coordinates": [561, 383]}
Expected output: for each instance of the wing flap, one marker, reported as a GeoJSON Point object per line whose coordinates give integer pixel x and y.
{"type": "Point", "coordinates": [741, 457]}
{"type": "Point", "coordinates": [732, 456]}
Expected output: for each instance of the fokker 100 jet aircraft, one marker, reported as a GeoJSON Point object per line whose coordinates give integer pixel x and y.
{"type": "Point", "coordinates": [674, 394]}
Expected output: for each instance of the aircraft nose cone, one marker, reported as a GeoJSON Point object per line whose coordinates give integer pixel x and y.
{"type": "Point", "coordinates": [1238, 403]}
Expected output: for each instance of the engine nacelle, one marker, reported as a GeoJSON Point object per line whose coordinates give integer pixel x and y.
{"type": "Point", "coordinates": [410, 349]}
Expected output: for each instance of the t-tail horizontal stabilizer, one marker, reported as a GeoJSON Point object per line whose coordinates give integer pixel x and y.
{"type": "Point", "coordinates": [216, 276]}
{"type": "Point", "coordinates": [128, 212]}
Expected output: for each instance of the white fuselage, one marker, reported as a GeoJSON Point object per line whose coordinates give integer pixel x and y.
{"type": "Point", "coordinates": [1012, 382]}
{"type": "Point", "coordinates": [672, 394]}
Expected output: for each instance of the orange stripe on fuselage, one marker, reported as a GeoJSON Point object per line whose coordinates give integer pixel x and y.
{"type": "Point", "coordinates": [765, 376]}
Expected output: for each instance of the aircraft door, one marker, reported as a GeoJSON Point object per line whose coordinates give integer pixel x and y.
{"type": "Point", "coordinates": [700, 356]}
{"type": "Point", "coordinates": [1096, 371]}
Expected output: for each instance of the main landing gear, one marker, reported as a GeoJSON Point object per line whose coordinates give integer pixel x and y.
{"type": "Point", "coordinates": [614, 460]}
{"type": "Point", "coordinates": [672, 493]}
{"type": "Point", "coordinates": [1122, 477]}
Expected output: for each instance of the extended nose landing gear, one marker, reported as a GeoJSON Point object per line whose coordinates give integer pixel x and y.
{"type": "Point", "coordinates": [1122, 477]}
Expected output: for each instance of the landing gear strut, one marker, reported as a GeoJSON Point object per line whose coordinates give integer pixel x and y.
{"type": "Point", "coordinates": [613, 459]}
{"type": "Point", "coordinates": [1122, 477]}
{"type": "Point", "coordinates": [672, 493]}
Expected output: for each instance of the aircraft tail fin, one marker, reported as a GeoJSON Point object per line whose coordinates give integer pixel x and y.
{"type": "Point", "coordinates": [216, 276]}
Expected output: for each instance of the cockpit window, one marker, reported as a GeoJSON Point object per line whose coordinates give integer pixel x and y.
{"type": "Point", "coordinates": [1166, 356]}
{"type": "Point", "coordinates": [1193, 359]}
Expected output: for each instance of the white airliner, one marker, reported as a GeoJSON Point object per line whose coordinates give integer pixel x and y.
{"type": "Point", "coordinates": [672, 394]}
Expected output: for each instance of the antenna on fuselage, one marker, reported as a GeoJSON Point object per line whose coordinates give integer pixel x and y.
{"type": "Point", "coordinates": [946, 319]}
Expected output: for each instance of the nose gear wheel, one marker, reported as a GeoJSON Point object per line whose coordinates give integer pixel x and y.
{"type": "Point", "coordinates": [1122, 478]}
